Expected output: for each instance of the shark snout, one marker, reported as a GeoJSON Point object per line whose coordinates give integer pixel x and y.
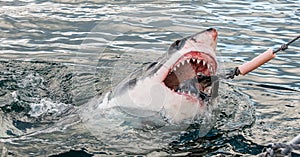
{"type": "Point", "coordinates": [213, 33]}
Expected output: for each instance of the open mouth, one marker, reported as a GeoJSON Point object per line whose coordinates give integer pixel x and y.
{"type": "Point", "coordinates": [190, 75]}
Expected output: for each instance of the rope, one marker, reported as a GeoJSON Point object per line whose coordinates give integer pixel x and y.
{"type": "Point", "coordinates": [232, 73]}
{"type": "Point", "coordinates": [285, 46]}
{"type": "Point", "coordinates": [281, 149]}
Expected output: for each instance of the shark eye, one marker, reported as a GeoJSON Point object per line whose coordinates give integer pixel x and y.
{"type": "Point", "coordinates": [177, 43]}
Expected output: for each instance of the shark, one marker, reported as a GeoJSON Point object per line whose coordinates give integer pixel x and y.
{"type": "Point", "coordinates": [180, 84]}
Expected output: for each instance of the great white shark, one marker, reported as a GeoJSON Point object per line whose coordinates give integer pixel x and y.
{"type": "Point", "coordinates": [179, 84]}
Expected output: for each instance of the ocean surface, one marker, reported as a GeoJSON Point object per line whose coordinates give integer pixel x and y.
{"type": "Point", "coordinates": [57, 57]}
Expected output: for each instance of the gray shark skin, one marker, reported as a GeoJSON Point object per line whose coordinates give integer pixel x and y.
{"type": "Point", "coordinates": [168, 85]}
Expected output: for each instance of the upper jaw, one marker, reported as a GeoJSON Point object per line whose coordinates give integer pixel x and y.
{"type": "Point", "coordinates": [201, 59]}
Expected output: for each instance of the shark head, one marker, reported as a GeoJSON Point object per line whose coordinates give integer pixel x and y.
{"type": "Point", "coordinates": [169, 85]}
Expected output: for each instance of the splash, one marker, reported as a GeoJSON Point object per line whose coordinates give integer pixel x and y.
{"type": "Point", "coordinates": [47, 107]}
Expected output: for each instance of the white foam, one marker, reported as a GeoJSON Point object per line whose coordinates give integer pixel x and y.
{"type": "Point", "coordinates": [46, 106]}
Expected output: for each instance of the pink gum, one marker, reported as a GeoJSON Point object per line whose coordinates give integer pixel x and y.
{"type": "Point", "coordinates": [256, 62]}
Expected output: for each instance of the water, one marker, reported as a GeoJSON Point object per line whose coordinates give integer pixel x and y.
{"type": "Point", "coordinates": [57, 56]}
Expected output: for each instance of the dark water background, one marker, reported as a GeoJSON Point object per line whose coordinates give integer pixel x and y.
{"type": "Point", "coordinates": [57, 55]}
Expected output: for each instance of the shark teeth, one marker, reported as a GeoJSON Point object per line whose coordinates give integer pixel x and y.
{"type": "Point", "coordinates": [207, 91]}
{"type": "Point", "coordinates": [210, 68]}
{"type": "Point", "coordinates": [186, 92]}
{"type": "Point", "coordinates": [193, 60]}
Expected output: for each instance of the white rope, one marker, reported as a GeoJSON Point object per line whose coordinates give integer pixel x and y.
{"type": "Point", "coordinates": [281, 149]}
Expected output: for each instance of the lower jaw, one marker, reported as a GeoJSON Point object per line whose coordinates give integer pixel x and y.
{"type": "Point", "coordinates": [184, 96]}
